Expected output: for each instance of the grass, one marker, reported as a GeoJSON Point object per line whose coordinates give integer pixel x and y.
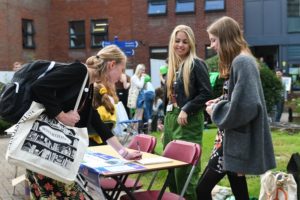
{"type": "Point", "coordinates": [284, 145]}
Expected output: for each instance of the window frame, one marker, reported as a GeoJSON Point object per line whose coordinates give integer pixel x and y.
{"type": "Point", "coordinates": [165, 4]}
{"type": "Point", "coordinates": [214, 9]}
{"type": "Point", "coordinates": [292, 16]}
{"type": "Point", "coordinates": [103, 34]}
{"type": "Point", "coordinates": [26, 34]}
{"type": "Point", "coordinates": [156, 52]}
{"type": "Point", "coordinates": [185, 12]}
{"type": "Point", "coordinates": [77, 34]}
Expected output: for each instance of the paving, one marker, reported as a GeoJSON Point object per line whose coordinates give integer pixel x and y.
{"type": "Point", "coordinates": [7, 173]}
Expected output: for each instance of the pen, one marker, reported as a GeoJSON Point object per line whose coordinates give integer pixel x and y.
{"type": "Point", "coordinates": [138, 146]}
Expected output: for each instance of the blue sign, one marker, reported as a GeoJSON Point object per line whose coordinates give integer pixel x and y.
{"type": "Point", "coordinates": [126, 46]}
{"type": "Point", "coordinates": [107, 43]}
{"type": "Point", "coordinates": [130, 44]}
{"type": "Point", "coordinates": [128, 52]}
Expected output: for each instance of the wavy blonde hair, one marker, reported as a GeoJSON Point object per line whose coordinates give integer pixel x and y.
{"type": "Point", "coordinates": [175, 62]}
{"type": "Point", "coordinates": [138, 69]}
{"type": "Point", "coordinates": [100, 61]}
{"type": "Point", "coordinates": [231, 40]}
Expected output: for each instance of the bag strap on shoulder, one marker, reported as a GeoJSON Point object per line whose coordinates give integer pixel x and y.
{"type": "Point", "coordinates": [50, 67]}
{"type": "Point", "coordinates": [80, 92]}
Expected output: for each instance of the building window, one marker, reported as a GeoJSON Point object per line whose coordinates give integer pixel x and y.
{"type": "Point", "coordinates": [157, 7]}
{"type": "Point", "coordinates": [293, 12]}
{"type": "Point", "coordinates": [185, 6]}
{"type": "Point", "coordinates": [99, 32]}
{"type": "Point", "coordinates": [214, 5]}
{"type": "Point", "coordinates": [77, 34]}
{"type": "Point", "coordinates": [28, 34]}
{"type": "Point", "coordinates": [159, 53]}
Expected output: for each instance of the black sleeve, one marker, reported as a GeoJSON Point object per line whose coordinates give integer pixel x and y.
{"type": "Point", "coordinates": [200, 83]}
{"type": "Point", "coordinates": [99, 126]}
{"type": "Point", "coordinates": [58, 81]}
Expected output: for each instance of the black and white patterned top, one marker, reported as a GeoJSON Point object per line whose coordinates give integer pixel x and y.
{"type": "Point", "coordinates": [216, 158]}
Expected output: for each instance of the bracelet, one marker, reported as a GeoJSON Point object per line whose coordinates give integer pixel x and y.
{"type": "Point", "coordinates": [123, 152]}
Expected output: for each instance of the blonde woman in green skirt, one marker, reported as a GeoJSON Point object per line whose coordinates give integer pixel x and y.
{"type": "Point", "coordinates": [188, 88]}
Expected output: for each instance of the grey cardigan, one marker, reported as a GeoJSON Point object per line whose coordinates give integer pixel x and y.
{"type": "Point", "coordinates": [247, 141]}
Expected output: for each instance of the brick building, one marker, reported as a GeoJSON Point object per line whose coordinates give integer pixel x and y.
{"type": "Point", "coordinates": [67, 30]}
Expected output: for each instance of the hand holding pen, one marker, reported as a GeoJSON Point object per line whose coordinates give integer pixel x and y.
{"type": "Point", "coordinates": [138, 146]}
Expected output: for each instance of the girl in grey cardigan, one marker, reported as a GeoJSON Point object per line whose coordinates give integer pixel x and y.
{"type": "Point", "coordinates": [243, 144]}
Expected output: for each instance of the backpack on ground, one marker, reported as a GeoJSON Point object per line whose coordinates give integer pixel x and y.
{"type": "Point", "coordinates": [15, 96]}
{"type": "Point", "coordinates": [293, 167]}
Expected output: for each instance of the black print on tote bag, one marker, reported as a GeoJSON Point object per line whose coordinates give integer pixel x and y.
{"type": "Point", "coordinates": [51, 141]}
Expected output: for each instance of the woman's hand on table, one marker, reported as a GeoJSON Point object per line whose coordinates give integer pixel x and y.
{"type": "Point", "coordinates": [133, 155]}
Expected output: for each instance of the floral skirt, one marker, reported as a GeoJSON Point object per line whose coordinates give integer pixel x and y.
{"type": "Point", "coordinates": [216, 159]}
{"type": "Point", "coordinates": [42, 187]}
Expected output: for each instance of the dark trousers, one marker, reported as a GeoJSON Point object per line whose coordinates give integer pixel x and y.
{"type": "Point", "coordinates": [210, 178]}
{"type": "Point", "coordinates": [279, 110]}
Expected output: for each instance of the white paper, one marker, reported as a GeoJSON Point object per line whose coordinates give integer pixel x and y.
{"type": "Point", "coordinates": [155, 160]}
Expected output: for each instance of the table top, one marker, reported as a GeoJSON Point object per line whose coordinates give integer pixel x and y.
{"type": "Point", "coordinates": [108, 150]}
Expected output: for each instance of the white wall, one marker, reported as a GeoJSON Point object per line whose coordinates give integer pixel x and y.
{"type": "Point", "coordinates": [6, 76]}
{"type": "Point", "coordinates": [155, 75]}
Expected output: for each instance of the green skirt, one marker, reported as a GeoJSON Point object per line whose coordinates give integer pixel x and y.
{"type": "Point", "coordinates": [192, 132]}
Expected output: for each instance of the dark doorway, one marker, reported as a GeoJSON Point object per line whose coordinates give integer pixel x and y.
{"type": "Point", "coordinates": [268, 53]}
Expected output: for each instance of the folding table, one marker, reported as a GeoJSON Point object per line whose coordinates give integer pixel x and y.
{"type": "Point", "coordinates": [92, 172]}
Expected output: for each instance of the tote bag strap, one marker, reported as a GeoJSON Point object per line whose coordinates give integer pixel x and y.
{"type": "Point", "coordinates": [80, 92]}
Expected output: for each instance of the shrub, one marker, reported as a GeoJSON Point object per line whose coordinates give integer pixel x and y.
{"type": "Point", "coordinates": [271, 85]}
{"type": "Point", "coordinates": [213, 67]}
{"type": "Point", "coordinates": [3, 126]}
{"type": "Point", "coordinates": [1, 85]}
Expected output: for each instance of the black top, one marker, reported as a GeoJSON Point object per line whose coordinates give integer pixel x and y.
{"type": "Point", "coordinates": [58, 91]}
{"type": "Point", "coordinates": [199, 88]}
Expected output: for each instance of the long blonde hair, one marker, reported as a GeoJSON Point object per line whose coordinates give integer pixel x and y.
{"type": "Point", "coordinates": [138, 69]}
{"type": "Point", "coordinates": [175, 62]}
{"type": "Point", "coordinates": [232, 42]}
{"type": "Point", "coordinates": [99, 62]}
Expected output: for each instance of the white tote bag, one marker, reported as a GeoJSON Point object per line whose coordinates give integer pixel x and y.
{"type": "Point", "coordinates": [46, 146]}
{"type": "Point", "coordinates": [278, 186]}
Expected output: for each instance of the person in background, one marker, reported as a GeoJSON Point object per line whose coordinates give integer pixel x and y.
{"type": "Point", "coordinates": [280, 104]}
{"type": "Point", "coordinates": [58, 92]}
{"type": "Point", "coordinates": [243, 143]}
{"type": "Point", "coordinates": [188, 88]}
{"type": "Point", "coordinates": [158, 110]}
{"type": "Point", "coordinates": [149, 94]}
{"type": "Point", "coordinates": [17, 65]}
{"type": "Point", "coordinates": [122, 87]}
{"type": "Point", "coordinates": [136, 94]}
{"type": "Point", "coordinates": [163, 70]}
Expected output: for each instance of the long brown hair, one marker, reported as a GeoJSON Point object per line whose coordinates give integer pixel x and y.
{"type": "Point", "coordinates": [232, 42]}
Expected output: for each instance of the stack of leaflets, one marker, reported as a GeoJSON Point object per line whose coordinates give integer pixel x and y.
{"type": "Point", "coordinates": [95, 164]}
